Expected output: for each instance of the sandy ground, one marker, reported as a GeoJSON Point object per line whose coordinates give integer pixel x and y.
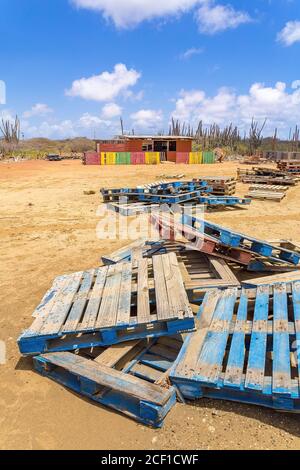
{"type": "Point", "coordinates": [48, 227]}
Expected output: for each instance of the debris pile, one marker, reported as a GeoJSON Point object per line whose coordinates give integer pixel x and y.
{"type": "Point", "coordinates": [167, 319]}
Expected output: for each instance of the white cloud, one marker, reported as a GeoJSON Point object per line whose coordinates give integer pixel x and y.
{"type": "Point", "coordinates": [88, 121]}
{"type": "Point", "coordinates": [191, 52]}
{"type": "Point", "coordinates": [296, 84]}
{"type": "Point", "coordinates": [129, 13]}
{"type": "Point", "coordinates": [213, 19]}
{"type": "Point", "coordinates": [290, 33]}
{"type": "Point", "coordinates": [111, 110]}
{"type": "Point", "coordinates": [147, 118]}
{"type": "Point", "coordinates": [6, 115]}
{"type": "Point", "coordinates": [39, 109]}
{"type": "Point", "coordinates": [106, 86]}
{"type": "Point", "coordinates": [63, 129]}
{"type": "Point", "coordinates": [279, 105]}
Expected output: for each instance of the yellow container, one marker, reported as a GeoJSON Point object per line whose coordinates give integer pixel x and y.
{"type": "Point", "coordinates": [195, 158]}
{"type": "Point", "coordinates": [152, 158]}
{"type": "Point", "coordinates": [108, 158]}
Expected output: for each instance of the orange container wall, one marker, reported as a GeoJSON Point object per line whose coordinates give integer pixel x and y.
{"type": "Point", "coordinates": [183, 146]}
{"type": "Point", "coordinates": [134, 146]}
{"type": "Point", "coordinates": [111, 148]}
{"type": "Point", "coordinates": [171, 157]}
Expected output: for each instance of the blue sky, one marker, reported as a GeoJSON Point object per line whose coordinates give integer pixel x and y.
{"type": "Point", "coordinates": [72, 67]}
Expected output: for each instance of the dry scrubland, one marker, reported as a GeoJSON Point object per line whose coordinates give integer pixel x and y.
{"type": "Point", "coordinates": [47, 228]}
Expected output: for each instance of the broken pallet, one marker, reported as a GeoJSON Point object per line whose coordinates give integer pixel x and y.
{"type": "Point", "coordinates": [130, 377]}
{"type": "Point", "coordinates": [112, 304]}
{"type": "Point", "coordinates": [246, 348]}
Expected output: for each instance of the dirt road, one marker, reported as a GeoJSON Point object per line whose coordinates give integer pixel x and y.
{"type": "Point", "coordinates": [48, 228]}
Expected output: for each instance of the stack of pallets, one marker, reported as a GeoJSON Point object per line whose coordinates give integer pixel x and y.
{"type": "Point", "coordinates": [175, 192]}
{"type": "Point", "coordinates": [267, 192]}
{"type": "Point", "coordinates": [221, 185]}
{"type": "Point", "coordinates": [267, 176]}
{"type": "Point", "coordinates": [289, 166]}
{"type": "Point", "coordinates": [167, 319]}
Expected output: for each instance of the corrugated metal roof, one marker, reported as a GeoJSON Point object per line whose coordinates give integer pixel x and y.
{"type": "Point", "coordinates": [156, 137]}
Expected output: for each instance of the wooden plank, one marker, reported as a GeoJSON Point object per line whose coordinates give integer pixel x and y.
{"type": "Point", "coordinates": [210, 361]}
{"type": "Point", "coordinates": [161, 294]}
{"type": "Point", "coordinates": [185, 366]}
{"type": "Point", "coordinates": [163, 351]}
{"type": "Point", "coordinates": [146, 372]}
{"type": "Point", "coordinates": [60, 309]}
{"type": "Point", "coordinates": [108, 311]}
{"type": "Point", "coordinates": [79, 302]}
{"type": "Point", "coordinates": [109, 377]}
{"type": "Point", "coordinates": [49, 298]}
{"type": "Point", "coordinates": [257, 352]}
{"type": "Point", "coordinates": [124, 306]}
{"type": "Point", "coordinates": [90, 315]}
{"type": "Point", "coordinates": [234, 369]}
{"type": "Point", "coordinates": [143, 306]}
{"type": "Point", "coordinates": [274, 279]}
{"type": "Point", "coordinates": [281, 379]}
{"type": "Point", "coordinates": [112, 355]}
{"type": "Point", "coordinates": [177, 295]}
{"type": "Point", "coordinates": [47, 307]}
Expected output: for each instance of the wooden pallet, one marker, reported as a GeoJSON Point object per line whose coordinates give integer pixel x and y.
{"type": "Point", "coordinates": [287, 277]}
{"type": "Point", "coordinates": [199, 271]}
{"type": "Point", "coordinates": [282, 181]}
{"type": "Point", "coordinates": [129, 377]}
{"type": "Point", "coordinates": [245, 349]}
{"type": "Point", "coordinates": [135, 208]}
{"type": "Point", "coordinates": [194, 239]}
{"type": "Point", "coordinates": [245, 242]}
{"type": "Point", "coordinates": [224, 201]}
{"type": "Point", "coordinates": [269, 187]}
{"type": "Point", "coordinates": [266, 195]}
{"type": "Point", "coordinates": [112, 304]}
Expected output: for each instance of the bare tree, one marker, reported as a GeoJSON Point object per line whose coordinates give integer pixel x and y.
{"type": "Point", "coordinates": [255, 136]}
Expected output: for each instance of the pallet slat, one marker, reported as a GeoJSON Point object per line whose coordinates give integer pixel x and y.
{"type": "Point", "coordinates": [114, 302]}
{"type": "Point", "coordinates": [249, 358]}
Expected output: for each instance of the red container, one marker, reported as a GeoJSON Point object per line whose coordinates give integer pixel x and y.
{"type": "Point", "coordinates": [182, 157]}
{"type": "Point", "coordinates": [171, 157]}
{"type": "Point", "coordinates": [92, 158]}
{"type": "Point", "coordinates": [137, 158]}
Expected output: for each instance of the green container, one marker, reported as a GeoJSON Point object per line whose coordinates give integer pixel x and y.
{"type": "Point", "coordinates": [123, 158]}
{"type": "Point", "coordinates": [208, 157]}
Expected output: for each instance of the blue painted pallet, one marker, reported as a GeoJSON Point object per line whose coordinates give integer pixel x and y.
{"type": "Point", "coordinates": [224, 201]}
{"type": "Point", "coordinates": [112, 304]}
{"type": "Point", "coordinates": [246, 348]}
{"type": "Point", "coordinates": [168, 198]}
{"type": "Point", "coordinates": [130, 378]}
{"type": "Point", "coordinates": [244, 242]}
{"type": "Point", "coordinates": [200, 272]}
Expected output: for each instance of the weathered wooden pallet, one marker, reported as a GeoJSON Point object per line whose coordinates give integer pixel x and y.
{"type": "Point", "coordinates": [266, 195]}
{"type": "Point", "coordinates": [245, 349]}
{"type": "Point", "coordinates": [286, 277]}
{"type": "Point", "coordinates": [171, 230]}
{"type": "Point", "coordinates": [112, 304]}
{"type": "Point", "coordinates": [234, 239]}
{"type": "Point", "coordinates": [170, 199]}
{"type": "Point", "coordinates": [289, 181]}
{"type": "Point", "coordinates": [199, 271]}
{"type": "Point", "coordinates": [269, 187]}
{"type": "Point", "coordinates": [129, 377]}
{"type": "Point", "coordinates": [135, 208]}
{"type": "Point", "coordinates": [224, 201]}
